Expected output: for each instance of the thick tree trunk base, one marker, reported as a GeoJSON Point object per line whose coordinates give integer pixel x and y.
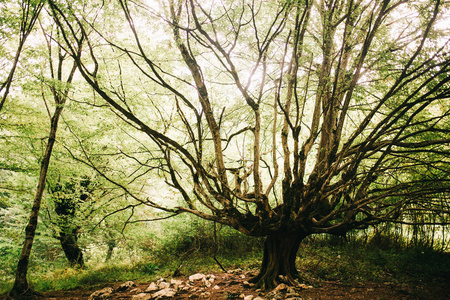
{"type": "Point", "coordinates": [278, 265]}
{"type": "Point", "coordinates": [21, 289]}
{"type": "Point", "coordinates": [73, 252]}
{"type": "Point", "coordinates": [27, 294]}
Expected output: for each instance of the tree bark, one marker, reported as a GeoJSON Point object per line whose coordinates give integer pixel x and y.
{"type": "Point", "coordinates": [21, 289]}
{"type": "Point", "coordinates": [69, 244]}
{"type": "Point", "coordinates": [278, 265]}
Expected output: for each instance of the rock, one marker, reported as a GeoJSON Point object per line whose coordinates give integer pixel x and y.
{"type": "Point", "coordinates": [136, 291]}
{"type": "Point", "coordinates": [304, 286]}
{"type": "Point", "coordinates": [160, 280]}
{"type": "Point", "coordinates": [152, 287]}
{"type": "Point", "coordinates": [258, 298]}
{"type": "Point", "coordinates": [196, 277]}
{"type": "Point", "coordinates": [291, 296]}
{"type": "Point", "coordinates": [248, 285]}
{"type": "Point", "coordinates": [275, 295]}
{"type": "Point", "coordinates": [163, 285]}
{"type": "Point", "coordinates": [249, 297]}
{"type": "Point", "coordinates": [164, 293]}
{"type": "Point", "coordinates": [141, 296]}
{"type": "Point", "coordinates": [175, 282]}
{"type": "Point", "coordinates": [216, 287]}
{"type": "Point", "coordinates": [290, 290]}
{"type": "Point", "coordinates": [235, 271]}
{"type": "Point", "coordinates": [206, 282]}
{"type": "Point", "coordinates": [281, 287]}
{"type": "Point", "coordinates": [125, 286]}
{"type": "Point", "coordinates": [101, 294]}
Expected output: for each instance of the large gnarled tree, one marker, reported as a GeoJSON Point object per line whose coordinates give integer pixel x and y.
{"type": "Point", "coordinates": [293, 117]}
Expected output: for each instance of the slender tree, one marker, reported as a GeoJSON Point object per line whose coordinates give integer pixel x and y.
{"type": "Point", "coordinates": [292, 117]}
{"type": "Point", "coordinates": [60, 89]}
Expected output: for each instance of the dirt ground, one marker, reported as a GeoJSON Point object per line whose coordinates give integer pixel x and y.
{"type": "Point", "coordinates": [231, 286]}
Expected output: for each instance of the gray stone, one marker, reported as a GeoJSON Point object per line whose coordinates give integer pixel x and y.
{"type": "Point", "coordinates": [281, 287]}
{"type": "Point", "coordinates": [160, 280]}
{"type": "Point", "coordinates": [275, 295]}
{"type": "Point", "coordinates": [206, 282]}
{"type": "Point", "coordinates": [152, 287]}
{"type": "Point", "coordinates": [163, 285]}
{"type": "Point", "coordinates": [101, 294]}
{"type": "Point", "coordinates": [304, 286]}
{"type": "Point", "coordinates": [196, 277]}
{"type": "Point", "coordinates": [141, 296]}
{"type": "Point", "coordinates": [175, 282]}
{"type": "Point", "coordinates": [125, 286]}
{"type": "Point", "coordinates": [164, 293]}
{"type": "Point", "coordinates": [292, 296]}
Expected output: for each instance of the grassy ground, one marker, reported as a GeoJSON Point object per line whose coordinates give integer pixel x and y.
{"type": "Point", "coordinates": [319, 259]}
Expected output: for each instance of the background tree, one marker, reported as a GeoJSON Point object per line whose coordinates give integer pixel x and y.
{"type": "Point", "coordinates": [67, 198]}
{"type": "Point", "coordinates": [292, 117]}
{"type": "Point", "coordinates": [60, 89]}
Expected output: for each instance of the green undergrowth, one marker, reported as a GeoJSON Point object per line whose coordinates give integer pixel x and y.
{"type": "Point", "coordinates": [319, 259]}
{"type": "Point", "coordinates": [358, 262]}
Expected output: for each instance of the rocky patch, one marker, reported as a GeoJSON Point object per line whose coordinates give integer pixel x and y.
{"type": "Point", "coordinates": [230, 285]}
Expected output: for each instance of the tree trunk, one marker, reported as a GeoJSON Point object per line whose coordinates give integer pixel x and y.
{"type": "Point", "coordinates": [21, 288]}
{"type": "Point", "coordinates": [69, 244]}
{"type": "Point", "coordinates": [111, 245]}
{"type": "Point", "coordinates": [278, 265]}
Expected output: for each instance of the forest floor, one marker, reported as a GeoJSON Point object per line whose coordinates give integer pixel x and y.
{"type": "Point", "coordinates": [231, 286]}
